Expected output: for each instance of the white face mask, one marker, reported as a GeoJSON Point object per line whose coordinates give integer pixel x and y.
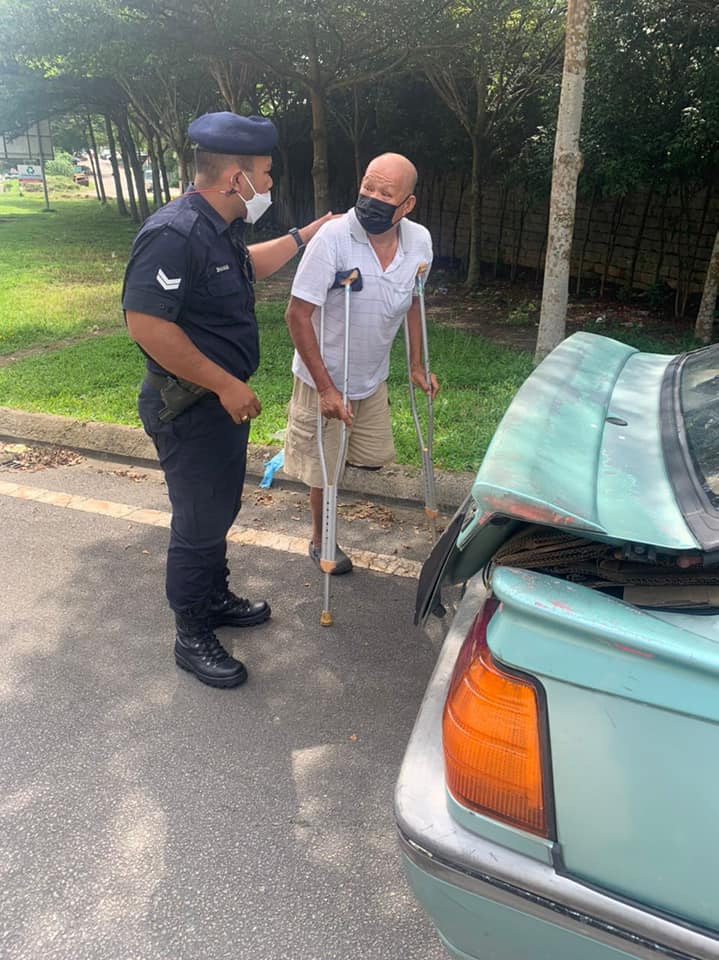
{"type": "Point", "coordinates": [258, 204]}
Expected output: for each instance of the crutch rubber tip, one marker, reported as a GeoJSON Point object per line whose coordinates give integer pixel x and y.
{"type": "Point", "coordinates": [328, 566]}
{"type": "Point", "coordinates": [325, 619]}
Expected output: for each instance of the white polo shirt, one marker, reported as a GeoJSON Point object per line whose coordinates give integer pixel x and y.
{"type": "Point", "coordinates": [377, 310]}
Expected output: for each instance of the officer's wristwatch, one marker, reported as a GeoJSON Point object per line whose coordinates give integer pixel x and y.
{"type": "Point", "coordinates": [295, 234]}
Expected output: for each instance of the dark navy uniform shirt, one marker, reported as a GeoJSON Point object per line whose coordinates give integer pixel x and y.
{"type": "Point", "coordinates": [189, 266]}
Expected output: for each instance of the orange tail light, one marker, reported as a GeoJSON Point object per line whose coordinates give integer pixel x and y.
{"type": "Point", "coordinates": [491, 731]}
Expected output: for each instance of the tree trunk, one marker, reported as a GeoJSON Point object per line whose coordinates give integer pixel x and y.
{"type": "Point", "coordinates": [683, 230]}
{"type": "Point", "coordinates": [319, 152]}
{"type": "Point", "coordinates": [135, 168]}
{"type": "Point", "coordinates": [697, 240]}
{"type": "Point", "coordinates": [640, 237]}
{"type": "Point", "coordinates": [128, 177]}
{"type": "Point", "coordinates": [518, 235]}
{"type": "Point", "coordinates": [356, 136]}
{"type": "Point", "coordinates": [474, 260]}
{"type": "Point", "coordinates": [97, 172]}
{"type": "Point", "coordinates": [705, 317]}
{"type": "Point", "coordinates": [440, 223]}
{"type": "Point", "coordinates": [183, 172]}
{"type": "Point", "coordinates": [287, 192]}
{"type": "Point", "coordinates": [500, 230]}
{"type": "Point", "coordinates": [163, 172]}
{"type": "Point", "coordinates": [585, 241]}
{"type": "Point", "coordinates": [112, 147]}
{"type": "Point", "coordinates": [611, 242]}
{"type": "Point", "coordinates": [567, 164]}
{"type": "Point", "coordinates": [462, 188]}
{"type": "Point", "coordinates": [662, 244]}
{"type": "Point", "coordinates": [156, 186]}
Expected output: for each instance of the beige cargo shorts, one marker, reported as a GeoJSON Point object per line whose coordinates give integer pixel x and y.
{"type": "Point", "coordinates": [368, 442]}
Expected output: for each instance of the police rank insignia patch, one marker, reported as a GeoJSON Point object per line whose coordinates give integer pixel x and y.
{"type": "Point", "coordinates": [167, 283]}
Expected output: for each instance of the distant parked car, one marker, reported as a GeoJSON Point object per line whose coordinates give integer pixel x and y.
{"type": "Point", "coordinates": [558, 797]}
{"type": "Point", "coordinates": [105, 155]}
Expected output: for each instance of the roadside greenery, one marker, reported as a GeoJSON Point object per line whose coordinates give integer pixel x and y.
{"type": "Point", "coordinates": [60, 280]}
{"type": "Point", "coordinates": [98, 379]}
{"type": "Point", "coordinates": [61, 276]}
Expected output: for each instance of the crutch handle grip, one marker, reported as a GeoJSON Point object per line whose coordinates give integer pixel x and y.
{"type": "Point", "coordinates": [325, 619]}
{"type": "Point", "coordinates": [351, 278]}
{"type": "Point", "coordinates": [328, 566]}
{"type": "Point", "coordinates": [422, 269]}
{"type": "Point", "coordinates": [431, 512]}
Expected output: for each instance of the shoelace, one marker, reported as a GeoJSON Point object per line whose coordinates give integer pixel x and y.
{"type": "Point", "coordinates": [230, 599]}
{"type": "Point", "coordinates": [211, 649]}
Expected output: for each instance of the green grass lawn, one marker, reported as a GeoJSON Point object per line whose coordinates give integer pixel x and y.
{"type": "Point", "coordinates": [61, 272]}
{"type": "Point", "coordinates": [98, 380]}
{"type": "Point", "coordinates": [61, 276]}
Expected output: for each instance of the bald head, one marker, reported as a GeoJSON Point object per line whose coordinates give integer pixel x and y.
{"type": "Point", "coordinates": [392, 169]}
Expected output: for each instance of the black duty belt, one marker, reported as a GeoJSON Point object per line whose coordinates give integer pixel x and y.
{"type": "Point", "coordinates": [178, 395]}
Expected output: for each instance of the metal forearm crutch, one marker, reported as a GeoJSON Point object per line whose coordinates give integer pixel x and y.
{"type": "Point", "coordinates": [328, 561]}
{"type": "Point", "coordinates": [425, 448]}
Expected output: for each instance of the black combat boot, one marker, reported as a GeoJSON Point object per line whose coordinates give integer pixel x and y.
{"type": "Point", "coordinates": [229, 610]}
{"type": "Point", "coordinates": [198, 650]}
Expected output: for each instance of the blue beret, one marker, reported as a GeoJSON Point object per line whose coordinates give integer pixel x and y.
{"type": "Point", "coordinates": [229, 133]}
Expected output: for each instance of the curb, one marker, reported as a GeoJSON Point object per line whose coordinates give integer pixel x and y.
{"type": "Point", "coordinates": [113, 440]}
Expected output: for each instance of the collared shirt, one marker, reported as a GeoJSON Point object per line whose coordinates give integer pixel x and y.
{"type": "Point", "coordinates": [377, 310]}
{"type": "Point", "coordinates": [189, 266]}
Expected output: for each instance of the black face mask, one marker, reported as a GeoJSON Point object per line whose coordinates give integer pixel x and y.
{"type": "Point", "coordinates": [375, 216]}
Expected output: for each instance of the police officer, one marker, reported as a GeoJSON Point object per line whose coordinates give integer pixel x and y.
{"type": "Point", "coordinates": [189, 304]}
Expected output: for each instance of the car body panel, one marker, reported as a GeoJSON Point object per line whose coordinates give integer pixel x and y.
{"type": "Point", "coordinates": [633, 710]}
{"type": "Point", "coordinates": [609, 484]}
{"type": "Point", "coordinates": [490, 901]}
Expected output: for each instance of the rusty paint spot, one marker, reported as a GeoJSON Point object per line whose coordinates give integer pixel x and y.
{"type": "Point", "coordinates": [632, 650]}
{"type": "Point", "coordinates": [530, 512]}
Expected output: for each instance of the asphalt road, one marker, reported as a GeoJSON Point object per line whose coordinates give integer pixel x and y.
{"type": "Point", "coordinates": [145, 816]}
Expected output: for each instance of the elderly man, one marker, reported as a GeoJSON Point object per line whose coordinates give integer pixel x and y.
{"type": "Point", "coordinates": [388, 249]}
{"type": "Point", "coordinates": [189, 304]}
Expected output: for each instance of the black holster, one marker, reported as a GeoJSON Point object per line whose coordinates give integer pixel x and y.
{"type": "Point", "coordinates": [177, 395]}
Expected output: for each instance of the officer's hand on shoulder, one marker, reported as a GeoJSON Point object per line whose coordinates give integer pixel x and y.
{"type": "Point", "coordinates": [240, 401]}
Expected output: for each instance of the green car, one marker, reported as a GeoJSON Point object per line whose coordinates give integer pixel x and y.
{"type": "Point", "coordinates": [559, 796]}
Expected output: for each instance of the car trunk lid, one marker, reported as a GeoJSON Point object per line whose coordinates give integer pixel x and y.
{"type": "Point", "coordinates": [579, 449]}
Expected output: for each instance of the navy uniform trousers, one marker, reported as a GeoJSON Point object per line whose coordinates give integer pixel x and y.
{"type": "Point", "coordinates": [203, 454]}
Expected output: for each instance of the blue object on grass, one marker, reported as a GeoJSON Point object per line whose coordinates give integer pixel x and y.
{"type": "Point", "coordinates": [271, 468]}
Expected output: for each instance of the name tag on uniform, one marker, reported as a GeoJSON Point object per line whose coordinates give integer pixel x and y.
{"type": "Point", "coordinates": [222, 269]}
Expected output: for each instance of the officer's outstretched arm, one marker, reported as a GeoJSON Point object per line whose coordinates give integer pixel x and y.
{"type": "Point", "coordinates": [270, 256]}
{"type": "Point", "coordinates": [169, 346]}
